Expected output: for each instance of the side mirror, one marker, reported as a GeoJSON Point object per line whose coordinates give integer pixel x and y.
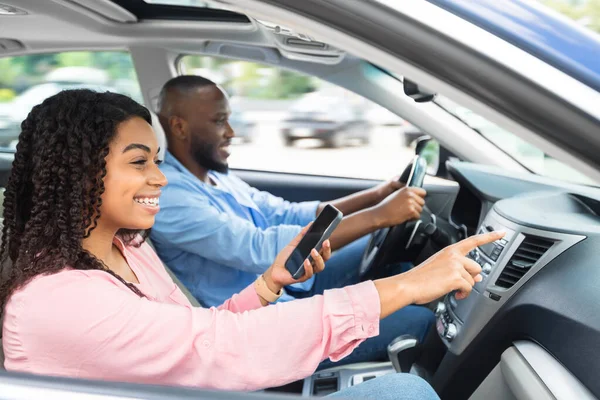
{"type": "Point", "coordinates": [421, 143]}
{"type": "Point", "coordinates": [418, 93]}
{"type": "Point", "coordinates": [431, 153]}
{"type": "Point", "coordinates": [429, 149]}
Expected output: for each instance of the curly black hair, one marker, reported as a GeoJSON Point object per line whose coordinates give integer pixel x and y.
{"type": "Point", "coordinates": [52, 200]}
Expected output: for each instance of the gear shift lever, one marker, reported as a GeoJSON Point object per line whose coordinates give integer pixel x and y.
{"type": "Point", "coordinates": [403, 352]}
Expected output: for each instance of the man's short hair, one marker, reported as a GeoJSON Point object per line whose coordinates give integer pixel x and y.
{"type": "Point", "coordinates": [184, 84]}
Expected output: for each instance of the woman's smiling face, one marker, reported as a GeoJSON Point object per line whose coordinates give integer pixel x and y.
{"type": "Point", "coordinates": [133, 180]}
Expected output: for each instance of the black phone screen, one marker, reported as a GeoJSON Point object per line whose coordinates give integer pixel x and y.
{"type": "Point", "coordinates": [312, 237]}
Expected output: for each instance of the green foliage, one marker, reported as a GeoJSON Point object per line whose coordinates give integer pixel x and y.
{"type": "Point", "coordinates": [431, 153]}
{"type": "Point", "coordinates": [10, 71]}
{"type": "Point", "coordinates": [586, 12]}
{"type": "Point", "coordinates": [21, 72]}
{"type": "Point", "coordinates": [7, 95]}
{"type": "Point", "coordinates": [251, 79]}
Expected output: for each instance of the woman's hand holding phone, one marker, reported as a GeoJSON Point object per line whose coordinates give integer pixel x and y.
{"type": "Point", "coordinates": [277, 276]}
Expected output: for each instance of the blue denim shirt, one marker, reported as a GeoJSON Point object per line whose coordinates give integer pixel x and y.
{"type": "Point", "coordinates": [218, 239]}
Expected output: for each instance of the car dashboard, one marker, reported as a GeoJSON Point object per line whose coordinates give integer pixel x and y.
{"type": "Point", "coordinates": [539, 227]}
{"type": "Point", "coordinates": [540, 282]}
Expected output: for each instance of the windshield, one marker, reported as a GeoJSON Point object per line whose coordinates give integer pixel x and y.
{"type": "Point", "coordinates": [525, 153]}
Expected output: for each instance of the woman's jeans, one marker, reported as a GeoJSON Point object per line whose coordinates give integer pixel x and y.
{"type": "Point", "coordinates": [389, 387]}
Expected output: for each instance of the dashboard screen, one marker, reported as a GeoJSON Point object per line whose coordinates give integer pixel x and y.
{"type": "Point", "coordinates": [487, 249]}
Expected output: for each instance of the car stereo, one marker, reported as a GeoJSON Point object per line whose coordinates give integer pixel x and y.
{"type": "Point", "coordinates": [447, 312]}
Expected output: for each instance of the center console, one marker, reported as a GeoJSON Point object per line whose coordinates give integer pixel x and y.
{"type": "Point", "coordinates": [506, 265]}
{"type": "Point", "coordinates": [332, 380]}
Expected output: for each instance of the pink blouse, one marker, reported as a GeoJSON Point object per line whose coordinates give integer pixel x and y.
{"type": "Point", "coordinates": [86, 324]}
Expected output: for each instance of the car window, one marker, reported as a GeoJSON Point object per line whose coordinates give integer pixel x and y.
{"type": "Point", "coordinates": [28, 80]}
{"type": "Point", "coordinates": [289, 122]}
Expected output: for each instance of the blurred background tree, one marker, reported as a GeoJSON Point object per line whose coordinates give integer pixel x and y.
{"type": "Point", "coordinates": [585, 12]}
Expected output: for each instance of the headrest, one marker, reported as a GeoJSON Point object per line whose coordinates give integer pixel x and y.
{"type": "Point", "coordinates": [160, 135]}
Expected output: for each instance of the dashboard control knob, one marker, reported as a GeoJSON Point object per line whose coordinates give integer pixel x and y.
{"type": "Point", "coordinates": [440, 309]}
{"type": "Point", "coordinates": [487, 268]}
{"type": "Point", "coordinates": [451, 332]}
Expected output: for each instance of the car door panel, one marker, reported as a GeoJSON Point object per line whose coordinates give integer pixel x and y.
{"type": "Point", "coordinates": [296, 187]}
{"type": "Point", "coordinates": [441, 193]}
{"type": "Point", "coordinates": [528, 372]}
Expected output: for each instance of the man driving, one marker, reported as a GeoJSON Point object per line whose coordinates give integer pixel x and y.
{"type": "Point", "coordinates": [218, 234]}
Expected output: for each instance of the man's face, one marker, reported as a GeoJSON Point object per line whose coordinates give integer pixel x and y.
{"type": "Point", "coordinates": [207, 114]}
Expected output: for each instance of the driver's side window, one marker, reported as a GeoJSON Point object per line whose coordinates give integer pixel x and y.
{"type": "Point", "coordinates": [288, 122]}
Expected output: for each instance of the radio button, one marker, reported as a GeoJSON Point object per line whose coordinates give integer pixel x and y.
{"type": "Point", "coordinates": [451, 332]}
{"type": "Point", "coordinates": [487, 268]}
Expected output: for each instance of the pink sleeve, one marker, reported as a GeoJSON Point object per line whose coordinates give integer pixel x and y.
{"type": "Point", "coordinates": [111, 334]}
{"type": "Point", "coordinates": [245, 300]}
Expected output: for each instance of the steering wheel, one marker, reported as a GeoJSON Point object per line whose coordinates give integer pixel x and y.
{"type": "Point", "coordinates": [382, 239]}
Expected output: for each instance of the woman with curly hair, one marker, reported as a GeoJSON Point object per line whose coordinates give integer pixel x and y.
{"type": "Point", "coordinates": [84, 296]}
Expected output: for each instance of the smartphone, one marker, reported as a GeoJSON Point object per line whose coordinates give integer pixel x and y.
{"type": "Point", "coordinates": [417, 172]}
{"type": "Point", "coordinates": [319, 231]}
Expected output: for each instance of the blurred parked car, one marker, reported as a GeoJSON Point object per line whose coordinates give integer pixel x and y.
{"type": "Point", "coordinates": [334, 120]}
{"type": "Point", "coordinates": [243, 128]}
{"type": "Point", "coordinates": [7, 127]}
{"type": "Point", "coordinates": [76, 74]}
{"type": "Point", "coordinates": [13, 113]}
{"type": "Point", "coordinates": [381, 116]}
{"type": "Point", "coordinates": [378, 115]}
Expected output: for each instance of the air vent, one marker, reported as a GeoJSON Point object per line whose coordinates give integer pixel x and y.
{"type": "Point", "coordinates": [529, 252]}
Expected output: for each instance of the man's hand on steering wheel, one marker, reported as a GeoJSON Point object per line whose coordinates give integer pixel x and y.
{"type": "Point", "coordinates": [401, 206]}
{"type": "Point", "coordinates": [384, 189]}
{"type": "Point", "coordinates": [392, 215]}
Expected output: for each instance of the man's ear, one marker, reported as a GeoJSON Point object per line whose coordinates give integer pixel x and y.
{"type": "Point", "coordinates": [179, 127]}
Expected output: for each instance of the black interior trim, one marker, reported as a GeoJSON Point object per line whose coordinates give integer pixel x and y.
{"type": "Point", "coordinates": [143, 10]}
{"type": "Point", "coordinates": [564, 328]}
{"type": "Point", "coordinates": [553, 309]}
{"type": "Point", "coordinates": [492, 183]}
{"type": "Point", "coordinates": [298, 187]}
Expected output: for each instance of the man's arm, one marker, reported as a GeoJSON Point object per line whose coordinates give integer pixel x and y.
{"type": "Point", "coordinates": [279, 211]}
{"type": "Point", "coordinates": [352, 227]}
{"type": "Point", "coordinates": [402, 206]}
{"type": "Point", "coordinates": [388, 207]}
{"type": "Point", "coordinates": [363, 199]}
{"type": "Point", "coordinates": [187, 221]}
